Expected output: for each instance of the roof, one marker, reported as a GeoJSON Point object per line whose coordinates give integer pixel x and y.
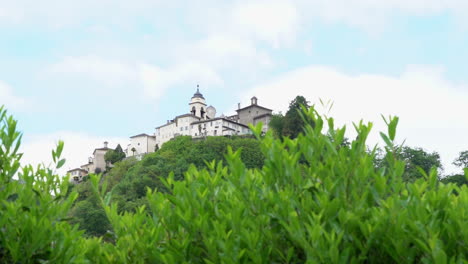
{"type": "Point", "coordinates": [141, 135]}
{"type": "Point", "coordinates": [100, 149]}
{"type": "Point", "coordinates": [198, 94]}
{"type": "Point", "coordinates": [177, 117]}
{"type": "Point", "coordinates": [250, 106]}
{"type": "Point", "coordinates": [218, 118]}
{"type": "Point", "coordinates": [260, 116]}
{"type": "Point", "coordinates": [186, 115]}
{"type": "Point", "coordinates": [76, 169]}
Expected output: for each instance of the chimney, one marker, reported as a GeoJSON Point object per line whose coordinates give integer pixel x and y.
{"type": "Point", "coordinates": [90, 160]}
{"type": "Point", "coordinates": [238, 106]}
{"type": "Point", "coordinates": [105, 144]}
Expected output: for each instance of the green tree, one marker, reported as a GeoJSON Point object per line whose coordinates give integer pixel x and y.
{"type": "Point", "coordinates": [114, 156]}
{"type": "Point", "coordinates": [458, 179]}
{"type": "Point", "coordinates": [276, 124]}
{"type": "Point", "coordinates": [415, 158]}
{"type": "Point", "coordinates": [293, 123]}
{"type": "Point", "coordinates": [462, 160]}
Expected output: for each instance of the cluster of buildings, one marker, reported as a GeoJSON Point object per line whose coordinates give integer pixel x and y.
{"type": "Point", "coordinates": [200, 121]}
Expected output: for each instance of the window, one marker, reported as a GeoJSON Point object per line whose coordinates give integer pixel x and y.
{"type": "Point", "coordinates": [138, 144]}
{"type": "Point", "coordinates": [215, 132]}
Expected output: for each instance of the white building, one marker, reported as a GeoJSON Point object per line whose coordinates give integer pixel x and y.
{"type": "Point", "coordinates": [76, 175]}
{"type": "Point", "coordinates": [140, 145]}
{"type": "Point", "coordinates": [96, 164]}
{"type": "Point", "coordinates": [201, 121]}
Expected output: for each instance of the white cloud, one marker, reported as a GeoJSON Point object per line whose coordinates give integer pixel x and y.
{"type": "Point", "coordinates": [374, 15]}
{"type": "Point", "coordinates": [431, 109]}
{"type": "Point", "coordinates": [59, 14]}
{"type": "Point", "coordinates": [225, 51]}
{"type": "Point", "coordinates": [275, 21]}
{"type": "Point", "coordinates": [9, 99]}
{"type": "Point", "coordinates": [78, 147]}
{"type": "Point", "coordinates": [156, 80]}
{"type": "Point", "coordinates": [152, 80]}
{"type": "Point", "coordinates": [109, 72]}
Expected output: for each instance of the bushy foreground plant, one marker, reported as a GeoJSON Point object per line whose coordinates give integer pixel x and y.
{"type": "Point", "coordinates": [33, 208]}
{"type": "Point", "coordinates": [314, 201]}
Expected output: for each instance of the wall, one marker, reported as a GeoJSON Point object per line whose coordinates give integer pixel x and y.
{"type": "Point", "coordinates": [99, 161]}
{"type": "Point", "coordinates": [246, 116]}
{"type": "Point", "coordinates": [142, 144]}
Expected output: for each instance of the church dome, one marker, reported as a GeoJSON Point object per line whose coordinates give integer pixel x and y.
{"type": "Point", "coordinates": [198, 94]}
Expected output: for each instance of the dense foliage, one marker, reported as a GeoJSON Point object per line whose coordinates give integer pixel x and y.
{"type": "Point", "coordinates": [291, 124]}
{"type": "Point", "coordinates": [114, 155]}
{"type": "Point", "coordinates": [176, 156]}
{"type": "Point", "coordinates": [332, 207]}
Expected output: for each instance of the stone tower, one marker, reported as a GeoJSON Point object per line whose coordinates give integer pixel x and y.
{"type": "Point", "coordinates": [198, 105]}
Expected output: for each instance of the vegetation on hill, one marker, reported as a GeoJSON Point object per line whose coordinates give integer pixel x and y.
{"type": "Point", "coordinates": [313, 200]}
{"type": "Point", "coordinates": [114, 155]}
{"type": "Point", "coordinates": [129, 179]}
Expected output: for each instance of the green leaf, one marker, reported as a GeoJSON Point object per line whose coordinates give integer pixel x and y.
{"type": "Point", "coordinates": [60, 163]}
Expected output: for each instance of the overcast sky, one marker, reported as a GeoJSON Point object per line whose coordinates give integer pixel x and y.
{"type": "Point", "coordinates": [93, 70]}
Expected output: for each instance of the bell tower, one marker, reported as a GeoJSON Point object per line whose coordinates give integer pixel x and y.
{"type": "Point", "coordinates": [198, 105]}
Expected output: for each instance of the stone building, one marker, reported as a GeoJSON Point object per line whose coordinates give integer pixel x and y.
{"type": "Point", "coordinates": [254, 114]}
{"type": "Point", "coordinates": [201, 121]}
{"type": "Point", "coordinates": [96, 164]}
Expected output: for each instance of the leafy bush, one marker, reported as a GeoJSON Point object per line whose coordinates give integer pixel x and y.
{"type": "Point", "coordinates": [332, 207]}
{"type": "Point", "coordinates": [131, 178]}
{"type": "Point", "coordinates": [33, 211]}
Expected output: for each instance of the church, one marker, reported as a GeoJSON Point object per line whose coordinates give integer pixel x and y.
{"type": "Point", "coordinates": [201, 121]}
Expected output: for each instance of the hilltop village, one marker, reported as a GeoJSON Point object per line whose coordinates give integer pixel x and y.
{"type": "Point", "coordinates": [200, 121]}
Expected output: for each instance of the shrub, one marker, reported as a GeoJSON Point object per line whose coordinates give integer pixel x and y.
{"type": "Point", "coordinates": [332, 207]}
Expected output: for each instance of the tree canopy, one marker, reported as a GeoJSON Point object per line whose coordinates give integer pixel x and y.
{"type": "Point", "coordinates": [114, 155]}
{"type": "Point", "coordinates": [462, 160]}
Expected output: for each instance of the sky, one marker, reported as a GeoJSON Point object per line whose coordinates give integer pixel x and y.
{"type": "Point", "coordinates": [91, 71]}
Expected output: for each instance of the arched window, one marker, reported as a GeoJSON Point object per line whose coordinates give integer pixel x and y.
{"type": "Point", "coordinates": [193, 110]}
{"type": "Point", "coordinates": [202, 113]}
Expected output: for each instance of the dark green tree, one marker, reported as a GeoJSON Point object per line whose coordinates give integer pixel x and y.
{"type": "Point", "coordinates": [276, 124]}
{"type": "Point", "coordinates": [458, 179]}
{"type": "Point", "coordinates": [293, 122]}
{"type": "Point", "coordinates": [114, 156]}
{"type": "Point", "coordinates": [462, 160]}
{"type": "Point", "coordinates": [418, 157]}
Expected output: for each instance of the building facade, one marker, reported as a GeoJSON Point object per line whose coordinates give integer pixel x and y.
{"type": "Point", "coordinates": [96, 164]}
{"type": "Point", "coordinates": [76, 175]}
{"type": "Point", "coordinates": [201, 121]}
{"type": "Point", "coordinates": [140, 144]}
